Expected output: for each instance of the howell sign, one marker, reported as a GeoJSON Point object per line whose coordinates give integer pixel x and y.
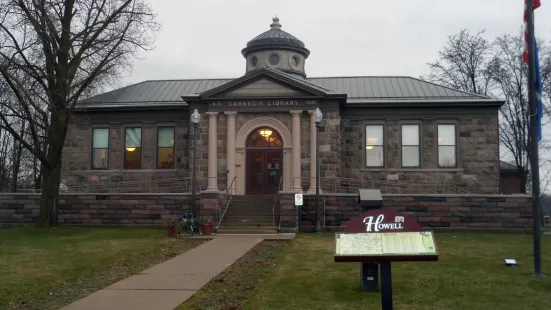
{"type": "Point", "coordinates": [380, 223]}
{"type": "Point", "coordinates": [382, 220]}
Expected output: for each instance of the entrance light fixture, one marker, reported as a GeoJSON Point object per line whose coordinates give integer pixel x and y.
{"type": "Point", "coordinates": [195, 117]}
{"type": "Point", "coordinates": [266, 133]}
{"type": "Point", "coordinates": [318, 116]}
{"type": "Point", "coordinates": [131, 149]}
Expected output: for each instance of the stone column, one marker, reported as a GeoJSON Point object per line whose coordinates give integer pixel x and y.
{"type": "Point", "coordinates": [230, 153]}
{"type": "Point", "coordinates": [296, 151]}
{"type": "Point", "coordinates": [313, 165]}
{"type": "Point", "coordinates": [213, 153]}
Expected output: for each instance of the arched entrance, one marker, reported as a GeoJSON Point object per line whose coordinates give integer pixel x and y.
{"type": "Point", "coordinates": [264, 156]}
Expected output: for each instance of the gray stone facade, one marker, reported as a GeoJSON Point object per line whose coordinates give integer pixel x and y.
{"type": "Point", "coordinates": [477, 167]}
{"type": "Point", "coordinates": [78, 149]}
{"type": "Point", "coordinates": [342, 136]}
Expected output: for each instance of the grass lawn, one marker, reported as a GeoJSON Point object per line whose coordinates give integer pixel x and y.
{"type": "Point", "coordinates": [470, 275]}
{"type": "Point", "coordinates": [48, 269]}
{"type": "Point", "coordinates": [302, 275]}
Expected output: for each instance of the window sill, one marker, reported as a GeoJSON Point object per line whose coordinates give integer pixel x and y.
{"type": "Point", "coordinates": [411, 169]}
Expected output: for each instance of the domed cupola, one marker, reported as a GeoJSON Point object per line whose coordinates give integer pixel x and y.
{"type": "Point", "coordinates": [276, 49]}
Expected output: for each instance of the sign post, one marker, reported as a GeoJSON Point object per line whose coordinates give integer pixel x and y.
{"type": "Point", "coordinates": [381, 237]}
{"type": "Point", "coordinates": [298, 200]}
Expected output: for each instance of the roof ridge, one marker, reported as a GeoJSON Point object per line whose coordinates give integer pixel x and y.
{"type": "Point", "coordinates": [359, 76]}
{"type": "Point", "coordinates": [114, 90]}
{"type": "Point", "coordinates": [450, 88]}
{"type": "Point", "coordinates": [179, 80]}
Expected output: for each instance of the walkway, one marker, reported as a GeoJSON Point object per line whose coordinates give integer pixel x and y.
{"type": "Point", "coordinates": [167, 285]}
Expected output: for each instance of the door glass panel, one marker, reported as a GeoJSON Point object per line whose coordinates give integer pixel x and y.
{"type": "Point", "coordinates": [273, 165]}
{"type": "Point", "coordinates": [255, 172]}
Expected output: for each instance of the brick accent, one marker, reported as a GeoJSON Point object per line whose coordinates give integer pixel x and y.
{"type": "Point", "coordinates": [97, 209]}
{"type": "Point", "coordinates": [434, 211]}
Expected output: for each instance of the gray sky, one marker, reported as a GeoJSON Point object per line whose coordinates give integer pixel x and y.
{"type": "Point", "coordinates": [204, 38]}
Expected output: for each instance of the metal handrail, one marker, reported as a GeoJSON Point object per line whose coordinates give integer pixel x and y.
{"type": "Point", "coordinates": [229, 192]}
{"type": "Point", "coordinates": [275, 202]}
{"type": "Point", "coordinates": [351, 185]}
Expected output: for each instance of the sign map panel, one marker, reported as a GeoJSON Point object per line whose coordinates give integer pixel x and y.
{"type": "Point", "coordinates": [373, 244]}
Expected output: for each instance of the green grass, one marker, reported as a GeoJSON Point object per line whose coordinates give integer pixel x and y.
{"type": "Point", "coordinates": [469, 275]}
{"type": "Point", "coordinates": [233, 286]}
{"type": "Point", "coordinates": [47, 269]}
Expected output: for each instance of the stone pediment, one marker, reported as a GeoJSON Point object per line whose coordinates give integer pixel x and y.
{"type": "Point", "coordinates": [263, 87]}
{"type": "Point", "coordinates": [267, 83]}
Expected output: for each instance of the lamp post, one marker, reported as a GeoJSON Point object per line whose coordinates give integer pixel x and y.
{"type": "Point", "coordinates": [195, 118]}
{"type": "Point", "coordinates": [317, 119]}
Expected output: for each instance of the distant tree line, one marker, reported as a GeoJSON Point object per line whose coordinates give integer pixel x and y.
{"type": "Point", "coordinates": [495, 68]}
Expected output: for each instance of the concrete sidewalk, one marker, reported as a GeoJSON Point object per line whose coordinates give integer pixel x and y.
{"type": "Point", "coordinates": [167, 285]}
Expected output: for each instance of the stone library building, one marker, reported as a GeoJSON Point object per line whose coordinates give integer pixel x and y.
{"type": "Point", "coordinates": [258, 135]}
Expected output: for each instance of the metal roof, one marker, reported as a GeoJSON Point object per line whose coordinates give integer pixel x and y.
{"type": "Point", "coordinates": [359, 89]}
{"type": "Point", "coordinates": [507, 166]}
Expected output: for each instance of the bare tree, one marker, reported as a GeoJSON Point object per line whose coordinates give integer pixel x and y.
{"type": "Point", "coordinates": [473, 64]}
{"type": "Point", "coordinates": [510, 73]}
{"type": "Point", "coordinates": [52, 54]}
{"type": "Point", "coordinates": [463, 63]}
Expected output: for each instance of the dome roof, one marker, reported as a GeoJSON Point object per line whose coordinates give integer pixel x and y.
{"type": "Point", "coordinates": [275, 38]}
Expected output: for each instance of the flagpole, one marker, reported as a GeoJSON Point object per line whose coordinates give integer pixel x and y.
{"type": "Point", "coordinates": [533, 129]}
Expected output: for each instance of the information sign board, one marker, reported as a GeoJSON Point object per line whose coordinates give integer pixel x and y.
{"type": "Point", "coordinates": [401, 243]}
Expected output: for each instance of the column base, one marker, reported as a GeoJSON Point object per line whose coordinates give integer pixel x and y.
{"type": "Point", "coordinates": [312, 190]}
{"type": "Point", "coordinates": [297, 190]}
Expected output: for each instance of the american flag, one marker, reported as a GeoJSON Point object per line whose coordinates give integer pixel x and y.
{"type": "Point", "coordinates": [537, 4]}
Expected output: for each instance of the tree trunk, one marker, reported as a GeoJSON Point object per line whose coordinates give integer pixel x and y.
{"type": "Point", "coordinates": [51, 171]}
{"type": "Point", "coordinates": [50, 195]}
{"type": "Point", "coordinates": [17, 153]}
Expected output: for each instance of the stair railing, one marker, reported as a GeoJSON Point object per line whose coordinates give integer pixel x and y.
{"type": "Point", "coordinates": [276, 205]}
{"type": "Point", "coordinates": [229, 196]}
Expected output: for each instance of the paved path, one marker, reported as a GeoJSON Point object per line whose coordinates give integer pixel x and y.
{"type": "Point", "coordinates": [167, 285]}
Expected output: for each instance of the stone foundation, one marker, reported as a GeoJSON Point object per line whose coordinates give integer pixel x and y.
{"type": "Point", "coordinates": [513, 212]}
{"type": "Point", "coordinates": [109, 209]}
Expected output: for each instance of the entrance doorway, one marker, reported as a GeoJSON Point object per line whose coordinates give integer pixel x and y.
{"type": "Point", "coordinates": [264, 159]}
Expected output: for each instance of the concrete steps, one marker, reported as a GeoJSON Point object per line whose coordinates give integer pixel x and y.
{"type": "Point", "coordinates": [249, 215]}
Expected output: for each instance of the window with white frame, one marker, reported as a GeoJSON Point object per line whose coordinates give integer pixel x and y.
{"type": "Point", "coordinates": [447, 148]}
{"type": "Point", "coordinates": [411, 149]}
{"type": "Point", "coordinates": [374, 146]}
{"type": "Point", "coordinates": [100, 148]}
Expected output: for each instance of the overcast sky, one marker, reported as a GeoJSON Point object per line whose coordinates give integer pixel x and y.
{"type": "Point", "coordinates": [204, 38]}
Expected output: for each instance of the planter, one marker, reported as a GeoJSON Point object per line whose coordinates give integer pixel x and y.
{"type": "Point", "coordinates": [206, 229]}
{"type": "Point", "coordinates": [172, 232]}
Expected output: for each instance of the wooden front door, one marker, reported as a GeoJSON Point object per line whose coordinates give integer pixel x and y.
{"type": "Point", "coordinates": [264, 169]}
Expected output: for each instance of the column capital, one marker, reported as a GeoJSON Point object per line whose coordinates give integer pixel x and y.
{"type": "Point", "coordinates": [231, 113]}
{"type": "Point", "coordinates": [296, 112]}
{"type": "Point", "coordinates": [212, 113]}
{"type": "Point", "coordinates": [311, 112]}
